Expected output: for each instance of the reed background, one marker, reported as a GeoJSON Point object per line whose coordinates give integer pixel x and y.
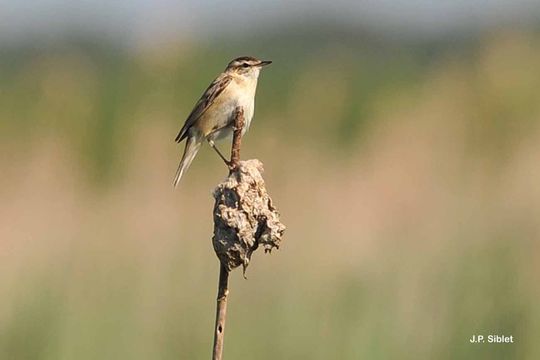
{"type": "Point", "coordinates": [407, 172]}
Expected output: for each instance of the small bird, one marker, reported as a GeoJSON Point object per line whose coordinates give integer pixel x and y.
{"type": "Point", "coordinates": [212, 118]}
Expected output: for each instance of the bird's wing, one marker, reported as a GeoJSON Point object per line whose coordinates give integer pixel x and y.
{"type": "Point", "coordinates": [207, 99]}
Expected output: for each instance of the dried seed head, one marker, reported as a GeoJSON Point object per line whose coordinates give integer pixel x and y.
{"type": "Point", "coordinates": [244, 217]}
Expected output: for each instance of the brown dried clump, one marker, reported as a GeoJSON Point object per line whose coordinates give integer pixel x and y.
{"type": "Point", "coordinates": [244, 216]}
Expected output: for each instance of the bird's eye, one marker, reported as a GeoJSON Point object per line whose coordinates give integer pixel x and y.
{"type": "Point", "coordinates": [245, 65]}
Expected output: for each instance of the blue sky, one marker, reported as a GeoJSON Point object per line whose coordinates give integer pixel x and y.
{"type": "Point", "coordinates": [148, 20]}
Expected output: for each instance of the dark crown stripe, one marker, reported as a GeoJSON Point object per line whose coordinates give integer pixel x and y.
{"type": "Point", "coordinates": [246, 58]}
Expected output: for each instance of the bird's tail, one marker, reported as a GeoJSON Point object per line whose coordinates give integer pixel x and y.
{"type": "Point", "coordinates": [193, 145]}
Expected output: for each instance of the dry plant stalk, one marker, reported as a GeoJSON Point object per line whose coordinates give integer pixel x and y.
{"type": "Point", "coordinates": [244, 218]}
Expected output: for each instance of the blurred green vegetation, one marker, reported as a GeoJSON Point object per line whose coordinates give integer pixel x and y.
{"type": "Point", "coordinates": [45, 87]}
{"type": "Point", "coordinates": [405, 171]}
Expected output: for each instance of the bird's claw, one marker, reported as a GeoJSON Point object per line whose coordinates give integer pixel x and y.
{"type": "Point", "coordinates": [231, 166]}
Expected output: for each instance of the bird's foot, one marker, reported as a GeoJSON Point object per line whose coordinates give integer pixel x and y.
{"type": "Point", "coordinates": [231, 166]}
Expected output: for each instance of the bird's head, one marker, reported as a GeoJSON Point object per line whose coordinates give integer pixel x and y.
{"type": "Point", "coordinates": [247, 66]}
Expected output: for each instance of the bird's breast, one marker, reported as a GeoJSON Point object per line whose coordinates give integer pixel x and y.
{"type": "Point", "coordinates": [246, 99]}
{"type": "Point", "coordinates": [216, 121]}
{"type": "Point", "coordinates": [248, 104]}
{"type": "Point", "coordinates": [220, 113]}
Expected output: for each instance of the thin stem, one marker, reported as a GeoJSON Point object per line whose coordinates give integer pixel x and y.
{"type": "Point", "coordinates": [221, 312]}
{"type": "Point", "coordinates": [237, 136]}
{"type": "Point", "coordinates": [223, 284]}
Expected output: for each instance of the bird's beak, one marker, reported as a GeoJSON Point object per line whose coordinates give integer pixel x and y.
{"type": "Point", "coordinates": [265, 62]}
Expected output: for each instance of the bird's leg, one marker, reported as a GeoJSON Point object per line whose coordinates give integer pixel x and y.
{"type": "Point", "coordinates": [211, 142]}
